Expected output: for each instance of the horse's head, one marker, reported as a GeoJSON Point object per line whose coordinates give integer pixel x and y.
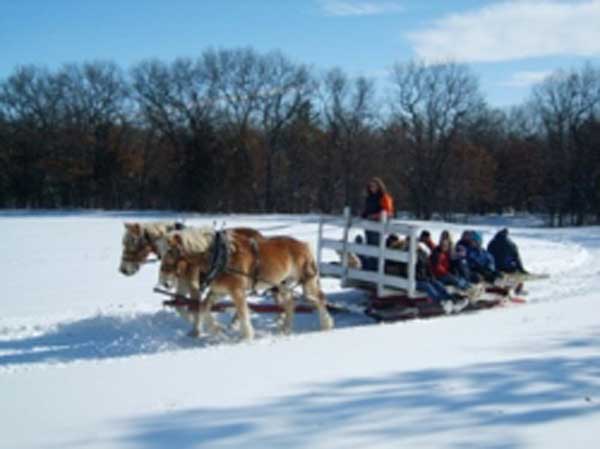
{"type": "Point", "coordinates": [142, 239]}
{"type": "Point", "coordinates": [137, 246]}
{"type": "Point", "coordinates": [185, 255]}
{"type": "Point", "coordinates": [173, 262]}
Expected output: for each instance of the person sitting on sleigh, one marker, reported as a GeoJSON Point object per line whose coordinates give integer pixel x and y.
{"type": "Point", "coordinates": [506, 253]}
{"type": "Point", "coordinates": [479, 260]}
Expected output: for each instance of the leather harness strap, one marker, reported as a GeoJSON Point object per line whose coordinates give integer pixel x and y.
{"type": "Point", "coordinates": [256, 265]}
{"type": "Point", "coordinates": [218, 260]}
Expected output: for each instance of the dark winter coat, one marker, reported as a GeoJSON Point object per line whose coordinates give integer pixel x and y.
{"type": "Point", "coordinates": [377, 203]}
{"type": "Point", "coordinates": [371, 205]}
{"type": "Point", "coordinates": [505, 252]}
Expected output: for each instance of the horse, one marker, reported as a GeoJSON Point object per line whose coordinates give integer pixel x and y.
{"type": "Point", "coordinates": [229, 263]}
{"type": "Point", "coordinates": [141, 240]}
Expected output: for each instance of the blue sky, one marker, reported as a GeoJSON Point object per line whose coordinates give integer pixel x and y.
{"type": "Point", "coordinates": [509, 44]}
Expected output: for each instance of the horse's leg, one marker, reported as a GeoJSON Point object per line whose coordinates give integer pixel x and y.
{"type": "Point", "coordinates": [313, 293]}
{"type": "Point", "coordinates": [182, 291]}
{"type": "Point", "coordinates": [198, 315]}
{"type": "Point", "coordinates": [209, 320]}
{"type": "Point", "coordinates": [286, 301]}
{"type": "Point", "coordinates": [243, 313]}
{"type": "Point", "coordinates": [279, 300]}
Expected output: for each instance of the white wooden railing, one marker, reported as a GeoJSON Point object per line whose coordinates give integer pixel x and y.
{"type": "Point", "coordinates": [386, 284]}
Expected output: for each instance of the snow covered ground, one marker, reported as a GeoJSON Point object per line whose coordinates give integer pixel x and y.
{"type": "Point", "coordinates": [89, 359]}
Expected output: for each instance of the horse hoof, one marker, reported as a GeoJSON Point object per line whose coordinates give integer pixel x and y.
{"type": "Point", "coordinates": [248, 335]}
{"type": "Point", "coordinates": [194, 333]}
{"type": "Point", "coordinates": [327, 324]}
{"type": "Point", "coordinates": [216, 329]}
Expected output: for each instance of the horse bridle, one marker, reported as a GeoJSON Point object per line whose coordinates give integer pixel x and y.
{"type": "Point", "coordinates": [144, 246]}
{"type": "Point", "coordinates": [130, 256]}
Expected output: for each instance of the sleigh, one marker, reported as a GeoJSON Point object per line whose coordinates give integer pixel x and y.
{"type": "Point", "coordinates": [392, 296]}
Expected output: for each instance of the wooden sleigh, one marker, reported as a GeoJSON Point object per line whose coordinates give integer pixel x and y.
{"type": "Point", "coordinates": [393, 297]}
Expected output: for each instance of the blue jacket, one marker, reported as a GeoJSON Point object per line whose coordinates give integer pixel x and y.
{"type": "Point", "coordinates": [480, 258]}
{"type": "Point", "coordinates": [477, 257]}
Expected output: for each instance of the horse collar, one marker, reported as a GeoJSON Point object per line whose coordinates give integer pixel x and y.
{"type": "Point", "coordinates": [218, 259]}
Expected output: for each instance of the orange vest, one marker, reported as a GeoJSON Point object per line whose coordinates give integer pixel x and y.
{"type": "Point", "coordinates": [387, 204]}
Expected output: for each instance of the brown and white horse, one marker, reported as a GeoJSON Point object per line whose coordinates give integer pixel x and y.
{"type": "Point", "coordinates": [142, 240]}
{"type": "Point", "coordinates": [250, 264]}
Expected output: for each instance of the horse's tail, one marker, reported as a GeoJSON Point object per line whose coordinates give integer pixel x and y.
{"type": "Point", "coordinates": [311, 270]}
{"type": "Point", "coordinates": [312, 290]}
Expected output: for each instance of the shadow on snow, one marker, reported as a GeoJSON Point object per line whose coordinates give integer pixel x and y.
{"type": "Point", "coordinates": [113, 335]}
{"type": "Point", "coordinates": [485, 403]}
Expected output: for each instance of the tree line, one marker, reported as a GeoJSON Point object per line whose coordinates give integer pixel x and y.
{"type": "Point", "coordinates": [235, 130]}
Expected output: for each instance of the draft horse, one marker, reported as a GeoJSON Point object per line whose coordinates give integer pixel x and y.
{"type": "Point", "coordinates": [230, 263]}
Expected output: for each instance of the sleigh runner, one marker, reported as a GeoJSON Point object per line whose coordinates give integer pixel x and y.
{"type": "Point", "coordinates": [180, 301]}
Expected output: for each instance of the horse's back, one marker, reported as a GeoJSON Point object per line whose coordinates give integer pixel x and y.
{"type": "Point", "coordinates": [287, 247]}
{"type": "Point", "coordinates": [247, 233]}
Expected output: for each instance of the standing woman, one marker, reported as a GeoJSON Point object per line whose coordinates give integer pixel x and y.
{"type": "Point", "coordinates": [378, 201]}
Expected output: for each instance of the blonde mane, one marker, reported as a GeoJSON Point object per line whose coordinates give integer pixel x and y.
{"type": "Point", "coordinates": [157, 230]}
{"type": "Point", "coordinates": [196, 241]}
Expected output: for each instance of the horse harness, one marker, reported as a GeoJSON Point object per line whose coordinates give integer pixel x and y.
{"type": "Point", "coordinates": [219, 261]}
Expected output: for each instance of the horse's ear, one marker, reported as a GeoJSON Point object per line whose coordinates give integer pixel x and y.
{"type": "Point", "coordinates": [134, 228]}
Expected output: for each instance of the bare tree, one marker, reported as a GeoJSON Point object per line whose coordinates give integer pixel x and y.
{"type": "Point", "coordinates": [30, 101]}
{"type": "Point", "coordinates": [259, 95]}
{"type": "Point", "coordinates": [568, 104]}
{"type": "Point", "coordinates": [240, 130]}
{"type": "Point", "coordinates": [178, 103]}
{"type": "Point", "coordinates": [302, 164]}
{"type": "Point", "coordinates": [287, 88]}
{"type": "Point", "coordinates": [95, 114]}
{"type": "Point", "coordinates": [432, 105]}
{"type": "Point", "coordinates": [349, 116]}
{"type": "Point", "coordinates": [239, 76]}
